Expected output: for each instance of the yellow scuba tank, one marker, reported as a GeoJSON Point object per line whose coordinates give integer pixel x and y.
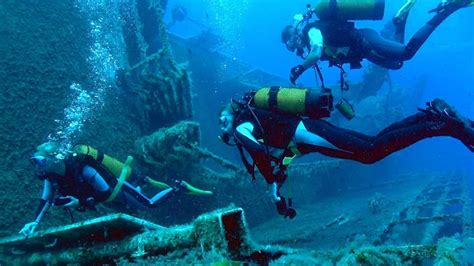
{"type": "Point", "coordinates": [295, 101]}
{"type": "Point", "coordinates": [113, 165]}
{"type": "Point", "coordinates": [350, 9]}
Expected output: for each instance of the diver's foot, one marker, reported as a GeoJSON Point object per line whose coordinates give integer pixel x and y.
{"type": "Point", "coordinates": [468, 136]}
{"type": "Point", "coordinates": [462, 128]}
{"type": "Point", "coordinates": [403, 12]}
{"type": "Point", "coordinates": [442, 108]}
{"type": "Point", "coordinates": [445, 4]}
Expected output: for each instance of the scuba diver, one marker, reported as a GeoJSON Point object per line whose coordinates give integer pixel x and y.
{"type": "Point", "coordinates": [274, 125]}
{"type": "Point", "coordinates": [333, 38]}
{"type": "Point", "coordinates": [178, 14]}
{"type": "Point", "coordinates": [84, 177]}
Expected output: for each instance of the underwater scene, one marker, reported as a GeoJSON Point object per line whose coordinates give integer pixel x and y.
{"type": "Point", "coordinates": [237, 132]}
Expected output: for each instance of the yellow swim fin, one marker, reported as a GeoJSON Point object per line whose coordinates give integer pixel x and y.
{"type": "Point", "coordinates": [157, 184]}
{"type": "Point", "coordinates": [403, 11]}
{"type": "Point", "coordinates": [195, 191]}
{"type": "Point", "coordinates": [189, 189]}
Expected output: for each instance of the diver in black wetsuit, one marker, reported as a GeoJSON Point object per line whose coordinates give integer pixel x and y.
{"type": "Point", "coordinates": [273, 139]}
{"type": "Point", "coordinates": [339, 42]}
{"type": "Point", "coordinates": [83, 177]}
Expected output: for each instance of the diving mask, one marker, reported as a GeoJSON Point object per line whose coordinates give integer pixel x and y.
{"type": "Point", "coordinates": [39, 160]}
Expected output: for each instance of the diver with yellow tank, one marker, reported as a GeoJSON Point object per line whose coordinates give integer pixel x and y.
{"type": "Point", "coordinates": [274, 125]}
{"type": "Point", "coordinates": [334, 38]}
{"type": "Point", "coordinates": [83, 177]}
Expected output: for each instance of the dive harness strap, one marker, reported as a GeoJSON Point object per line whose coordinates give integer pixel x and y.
{"type": "Point", "coordinates": [318, 71]}
{"type": "Point", "coordinates": [250, 167]}
{"type": "Point", "coordinates": [123, 175]}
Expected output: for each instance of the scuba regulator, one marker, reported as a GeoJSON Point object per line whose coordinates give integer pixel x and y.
{"type": "Point", "coordinates": [235, 106]}
{"type": "Point", "coordinates": [303, 19]}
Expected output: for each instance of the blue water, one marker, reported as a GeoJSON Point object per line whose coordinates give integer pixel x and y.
{"type": "Point", "coordinates": [252, 33]}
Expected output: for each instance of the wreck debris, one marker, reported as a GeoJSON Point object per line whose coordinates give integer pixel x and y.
{"type": "Point", "coordinates": [221, 235]}
{"type": "Point", "coordinates": [177, 148]}
{"type": "Point", "coordinates": [160, 87]}
{"type": "Point", "coordinates": [340, 220]}
{"type": "Point", "coordinates": [443, 203]}
{"type": "Point", "coordinates": [375, 203]}
{"type": "Point", "coordinates": [373, 79]}
{"type": "Point", "coordinates": [129, 237]}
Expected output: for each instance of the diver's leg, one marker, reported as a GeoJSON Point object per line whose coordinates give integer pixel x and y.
{"type": "Point", "coordinates": [325, 138]}
{"type": "Point", "coordinates": [381, 51]}
{"type": "Point", "coordinates": [161, 196]}
{"type": "Point", "coordinates": [335, 142]}
{"type": "Point", "coordinates": [439, 119]}
{"type": "Point", "coordinates": [132, 192]}
{"type": "Point", "coordinates": [133, 197]}
{"type": "Point", "coordinates": [320, 136]}
{"type": "Point", "coordinates": [383, 145]}
{"type": "Point", "coordinates": [409, 121]}
{"type": "Point", "coordinates": [442, 12]}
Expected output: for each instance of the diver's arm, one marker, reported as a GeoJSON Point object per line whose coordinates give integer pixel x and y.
{"type": "Point", "coordinates": [273, 192]}
{"type": "Point", "coordinates": [313, 57]}
{"type": "Point", "coordinates": [99, 184]}
{"type": "Point", "coordinates": [316, 42]}
{"type": "Point", "coordinates": [260, 153]}
{"type": "Point", "coordinates": [47, 196]}
{"type": "Point", "coordinates": [245, 133]}
{"type": "Point", "coordinates": [42, 209]}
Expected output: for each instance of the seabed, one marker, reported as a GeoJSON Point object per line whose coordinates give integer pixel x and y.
{"type": "Point", "coordinates": [428, 226]}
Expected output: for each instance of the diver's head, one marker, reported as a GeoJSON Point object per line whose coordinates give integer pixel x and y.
{"type": "Point", "coordinates": [226, 120]}
{"type": "Point", "coordinates": [48, 160]}
{"type": "Point", "coordinates": [289, 37]}
{"type": "Point", "coordinates": [293, 40]}
{"type": "Point", "coordinates": [179, 13]}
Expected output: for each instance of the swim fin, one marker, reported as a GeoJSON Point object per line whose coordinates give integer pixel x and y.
{"type": "Point", "coordinates": [464, 127]}
{"type": "Point", "coordinates": [405, 9]}
{"type": "Point", "coordinates": [157, 184]}
{"type": "Point", "coordinates": [459, 3]}
{"type": "Point", "coordinates": [195, 191]}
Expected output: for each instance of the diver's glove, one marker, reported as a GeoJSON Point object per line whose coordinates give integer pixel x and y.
{"type": "Point", "coordinates": [191, 190]}
{"type": "Point", "coordinates": [296, 73]}
{"type": "Point", "coordinates": [279, 173]}
{"type": "Point", "coordinates": [284, 210]}
{"type": "Point", "coordinates": [29, 228]}
{"type": "Point", "coordinates": [68, 201]}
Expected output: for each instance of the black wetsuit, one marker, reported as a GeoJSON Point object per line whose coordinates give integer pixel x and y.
{"type": "Point", "coordinates": [389, 52]}
{"type": "Point", "coordinates": [279, 131]}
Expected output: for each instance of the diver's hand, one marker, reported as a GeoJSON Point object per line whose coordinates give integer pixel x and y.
{"type": "Point", "coordinates": [73, 202]}
{"type": "Point", "coordinates": [296, 73]}
{"type": "Point", "coordinates": [284, 210]}
{"type": "Point", "coordinates": [29, 228]}
{"type": "Point", "coordinates": [273, 192]}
